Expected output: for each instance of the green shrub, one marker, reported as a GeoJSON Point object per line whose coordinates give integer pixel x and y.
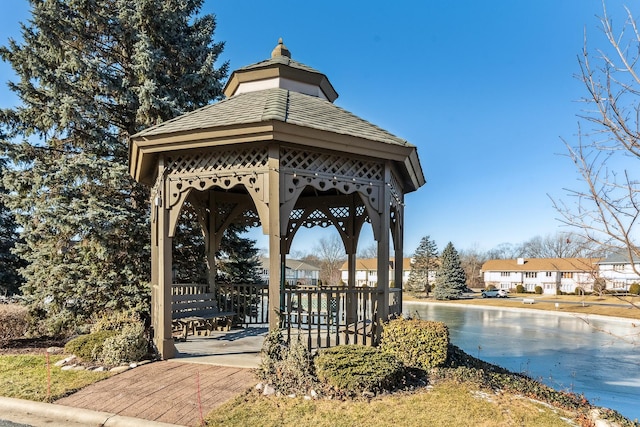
{"type": "Point", "coordinates": [286, 367]}
{"type": "Point", "coordinates": [416, 343]}
{"type": "Point", "coordinates": [520, 289]}
{"type": "Point", "coordinates": [13, 322]}
{"type": "Point", "coordinates": [357, 368]}
{"type": "Point", "coordinates": [115, 321]}
{"type": "Point", "coordinates": [88, 347]}
{"type": "Point", "coordinates": [634, 289]}
{"type": "Point", "coordinates": [538, 290]}
{"type": "Point", "coordinates": [130, 345]}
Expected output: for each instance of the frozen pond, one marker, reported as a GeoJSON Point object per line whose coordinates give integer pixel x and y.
{"type": "Point", "coordinates": [595, 357]}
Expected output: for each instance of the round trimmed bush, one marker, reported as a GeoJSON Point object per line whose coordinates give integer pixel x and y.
{"type": "Point", "coordinates": [88, 347]}
{"type": "Point", "coordinates": [634, 289]}
{"type": "Point", "coordinates": [357, 368]}
{"type": "Point", "coordinates": [129, 345]}
{"type": "Point", "coordinates": [520, 289]}
{"type": "Point", "coordinates": [421, 344]}
{"type": "Point", "coordinates": [538, 290]}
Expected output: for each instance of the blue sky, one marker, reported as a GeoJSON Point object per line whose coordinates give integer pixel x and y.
{"type": "Point", "coordinates": [485, 90]}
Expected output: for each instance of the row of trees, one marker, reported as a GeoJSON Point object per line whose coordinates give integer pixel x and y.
{"type": "Point", "coordinates": [428, 264]}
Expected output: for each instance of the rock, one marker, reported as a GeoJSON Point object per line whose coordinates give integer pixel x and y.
{"type": "Point", "coordinates": [292, 395]}
{"type": "Point", "coordinates": [259, 386]}
{"type": "Point", "coordinates": [143, 362]}
{"type": "Point", "coordinates": [99, 369]}
{"type": "Point", "coordinates": [268, 390]}
{"type": "Point", "coordinates": [119, 369]}
{"type": "Point", "coordinates": [67, 368]}
{"type": "Point", "coordinates": [55, 350]}
{"type": "Point", "coordinates": [78, 368]}
{"type": "Point", "coordinates": [64, 361]}
{"type": "Point", "coordinates": [133, 365]}
{"type": "Point", "coordinates": [314, 394]}
{"type": "Point", "coordinates": [307, 398]}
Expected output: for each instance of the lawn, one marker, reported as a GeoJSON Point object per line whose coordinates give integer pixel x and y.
{"type": "Point", "coordinates": [26, 377]}
{"type": "Point", "coordinates": [445, 404]}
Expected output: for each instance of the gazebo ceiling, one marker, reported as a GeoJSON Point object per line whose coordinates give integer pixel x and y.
{"type": "Point", "coordinates": [260, 112]}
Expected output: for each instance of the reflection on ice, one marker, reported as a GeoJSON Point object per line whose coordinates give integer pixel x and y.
{"type": "Point", "coordinates": [592, 356]}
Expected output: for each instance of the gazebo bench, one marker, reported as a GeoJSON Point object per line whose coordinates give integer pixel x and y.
{"type": "Point", "coordinates": [198, 314]}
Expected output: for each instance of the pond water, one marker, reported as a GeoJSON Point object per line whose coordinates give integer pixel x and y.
{"type": "Point", "coordinates": [599, 358]}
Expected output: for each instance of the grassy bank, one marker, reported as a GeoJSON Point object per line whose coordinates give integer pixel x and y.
{"type": "Point", "coordinates": [446, 404]}
{"type": "Point", "coordinates": [626, 307]}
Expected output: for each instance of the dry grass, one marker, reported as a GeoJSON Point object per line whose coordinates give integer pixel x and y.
{"type": "Point", "coordinates": [13, 322]}
{"type": "Point", "coordinates": [25, 377]}
{"type": "Point", "coordinates": [446, 404]}
{"type": "Point", "coordinates": [627, 307]}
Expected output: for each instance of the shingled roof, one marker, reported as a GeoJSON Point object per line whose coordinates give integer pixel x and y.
{"type": "Point", "coordinates": [275, 104]}
{"type": "Point", "coordinates": [284, 60]}
{"type": "Point", "coordinates": [281, 100]}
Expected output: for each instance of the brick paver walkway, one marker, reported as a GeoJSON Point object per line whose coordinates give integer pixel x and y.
{"type": "Point", "coordinates": [164, 391]}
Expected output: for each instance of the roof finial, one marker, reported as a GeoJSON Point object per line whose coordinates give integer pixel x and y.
{"type": "Point", "coordinates": [280, 50]}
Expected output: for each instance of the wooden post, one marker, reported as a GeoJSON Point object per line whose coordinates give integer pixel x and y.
{"type": "Point", "coordinates": [161, 276]}
{"type": "Point", "coordinates": [383, 254]}
{"type": "Point", "coordinates": [275, 266]}
{"type": "Point", "coordinates": [211, 243]}
{"type": "Point", "coordinates": [399, 249]}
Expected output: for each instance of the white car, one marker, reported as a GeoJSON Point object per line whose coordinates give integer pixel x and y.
{"type": "Point", "coordinates": [494, 293]}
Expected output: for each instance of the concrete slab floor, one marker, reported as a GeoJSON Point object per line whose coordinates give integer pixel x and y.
{"type": "Point", "coordinates": [237, 347]}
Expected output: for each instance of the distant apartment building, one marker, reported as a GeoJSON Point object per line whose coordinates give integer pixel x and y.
{"type": "Point", "coordinates": [367, 271]}
{"type": "Point", "coordinates": [296, 272]}
{"type": "Point", "coordinates": [551, 274]}
{"type": "Point", "coordinates": [618, 272]}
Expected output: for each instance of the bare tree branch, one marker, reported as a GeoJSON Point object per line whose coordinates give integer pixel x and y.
{"type": "Point", "coordinates": [605, 208]}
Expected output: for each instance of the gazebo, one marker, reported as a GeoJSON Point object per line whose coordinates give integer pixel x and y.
{"type": "Point", "coordinates": [279, 154]}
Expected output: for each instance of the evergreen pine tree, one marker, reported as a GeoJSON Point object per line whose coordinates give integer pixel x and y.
{"type": "Point", "coordinates": [90, 75]}
{"type": "Point", "coordinates": [10, 264]}
{"type": "Point", "coordinates": [238, 257]}
{"type": "Point", "coordinates": [189, 252]}
{"type": "Point", "coordinates": [450, 276]}
{"type": "Point", "coordinates": [424, 260]}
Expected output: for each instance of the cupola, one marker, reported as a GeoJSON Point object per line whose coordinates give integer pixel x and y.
{"type": "Point", "coordinates": [280, 71]}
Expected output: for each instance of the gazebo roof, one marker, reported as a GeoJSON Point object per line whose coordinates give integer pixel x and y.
{"type": "Point", "coordinates": [274, 104]}
{"type": "Point", "coordinates": [275, 113]}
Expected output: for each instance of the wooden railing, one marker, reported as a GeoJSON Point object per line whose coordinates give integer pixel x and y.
{"type": "Point", "coordinates": [249, 302]}
{"type": "Point", "coordinates": [324, 317]}
{"type": "Point", "coordinates": [320, 316]}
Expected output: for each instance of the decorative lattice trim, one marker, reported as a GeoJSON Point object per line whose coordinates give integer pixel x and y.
{"type": "Point", "coordinates": [330, 164]}
{"type": "Point", "coordinates": [234, 160]}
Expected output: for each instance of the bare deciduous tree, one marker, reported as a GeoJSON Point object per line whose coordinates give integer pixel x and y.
{"type": "Point", "coordinates": [370, 251]}
{"type": "Point", "coordinates": [559, 245]}
{"type": "Point", "coordinates": [331, 253]}
{"type": "Point", "coordinates": [472, 260]}
{"type": "Point", "coordinates": [607, 207]}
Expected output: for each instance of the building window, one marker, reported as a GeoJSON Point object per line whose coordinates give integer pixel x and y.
{"type": "Point", "coordinates": [373, 273]}
{"type": "Point", "coordinates": [567, 275]}
{"type": "Point", "coordinates": [618, 267]}
{"type": "Point", "coordinates": [504, 273]}
{"type": "Point", "coordinates": [530, 274]}
{"type": "Point", "coordinates": [548, 274]}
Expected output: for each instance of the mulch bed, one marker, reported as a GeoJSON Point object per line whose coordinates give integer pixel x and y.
{"type": "Point", "coordinates": [31, 345]}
